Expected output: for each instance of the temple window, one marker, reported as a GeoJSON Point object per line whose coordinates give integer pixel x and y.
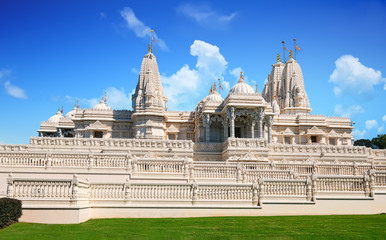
{"type": "Point", "coordinates": [332, 141]}
{"type": "Point", "coordinates": [314, 139]}
{"type": "Point", "coordinates": [171, 136]}
{"type": "Point", "coordinates": [287, 140]}
{"type": "Point", "coordinates": [98, 134]}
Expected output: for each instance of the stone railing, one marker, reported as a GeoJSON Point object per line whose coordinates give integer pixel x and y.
{"type": "Point", "coordinates": [107, 191]}
{"type": "Point", "coordinates": [342, 184]}
{"type": "Point", "coordinates": [158, 166]}
{"type": "Point", "coordinates": [208, 147]}
{"type": "Point", "coordinates": [55, 189]}
{"type": "Point", "coordinates": [214, 171]}
{"type": "Point", "coordinates": [191, 192]}
{"type": "Point", "coordinates": [254, 175]}
{"type": "Point", "coordinates": [185, 166]}
{"type": "Point", "coordinates": [380, 178]}
{"type": "Point", "coordinates": [75, 191]}
{"type": "Point", "coordinates": [317, 149]}
{"type": "Point", "coordinates": [23, 159]}
{"type": "Point", "coordinates": [13, 147]}
{"type": "Point", "coordinates": [286, 188]}
{"type": "Point", "coordinates": [243, 143]}
{"type": "Point", "coordinates": [113, 142]}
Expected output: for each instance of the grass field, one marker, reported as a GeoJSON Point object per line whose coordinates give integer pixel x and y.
{"type": "Point", "coordinates": [282, 227]}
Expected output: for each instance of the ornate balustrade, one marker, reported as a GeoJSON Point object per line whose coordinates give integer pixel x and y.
{"type": "Point", "coordinates": [208, 147]}
{"type": "Point", "coordinates": [380, 178]}
{"type": "Point", "coordinates": [38, 188]}
{"type": "Point", "coordinates": [215, 171]}
{"type": "Point", "coordinates": [254, 175]}
{"type": "Point", "coordinates": [213, 192]}
{"type": "Point", "coordinates": [286, 188]}
{"type": "Point", "coordinates": [252, 143]}
{"type": "Point", "coordinates": [112, 161]}
{"type": "Point", "coordinates": [75, 190]}
{"type": "Point", "coordinates": [68, 160]}
{"type": "Point", "coordinates": [171, 191]}
{"type": "Point", "coordinates": [104, 191]}
{"type": "Point", "coordinates": [342, 184]}
{"type": "Point", "coordinates": [23, 159]}
{"type": "Point", "coordinates": [300, 168]}
{"type": "Point", "coordinates": [161, 191]}
{"type": "Point", "coordinates": [113, 142]}
{"type": "Point", "coordinates": [55, 189]}
{"type": "Point", "coordinates": [159, 166]}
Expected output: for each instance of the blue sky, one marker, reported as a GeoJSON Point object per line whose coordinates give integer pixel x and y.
{"type": "Point", "coordinates": [53, 53]}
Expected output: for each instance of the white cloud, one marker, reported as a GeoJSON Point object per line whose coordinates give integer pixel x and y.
{"type": "Point", "coordinates": [4, 72]}
{"type": "Point", "coordinates": [139, 28]}
{"type": "Point", "coordinates": [358, 134]}
{"type": "Point", "coordinates": [15, 91]}
{"type": "Point", "coordinates": [204, 14]}
{"type": "Point", "coordinates": [188, 84]}
{"type": "Point", "coordinates": [116, 98]}
{"type": "Point", "coordinates": [236, 72]}
{"type": "Point", "coordinates": [384, 118]}
{"type": "Point", "coordinates": [226, 18]}
{"type": "Point", "coordinates": [348, 112]}
{"type": "Point", "coordinates": [135, 71]}
{"type": "Point", "coordinates": [209, 58]}
{"type": "Point", "coordinates": [181, 86]}
{"type": "Point", "coordinates": [370, 124]}
{"type": "Point", "coordinates": [381, 129]}
{"type": "Point", "coordinates": [353, 77]}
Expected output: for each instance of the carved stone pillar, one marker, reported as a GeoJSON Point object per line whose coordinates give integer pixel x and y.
{"type": "Point", "coordinates": [253, 129]}
{"type": "Point", "coordinates": [269, 120]}
{"type": "Point", "coordinates": [260, 130]}
{"type": "Point", "coordinates": [206, 120]}
{"type": "Point", "coordinates": [225, 129]}
{"type": "Point", "coordinates": [232, 118]}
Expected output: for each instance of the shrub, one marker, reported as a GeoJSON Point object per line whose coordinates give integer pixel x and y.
{"type": "Point", "coordinates": [10, 211]}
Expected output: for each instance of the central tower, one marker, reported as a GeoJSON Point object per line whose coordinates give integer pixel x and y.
{"type": "Point", "coordinates": [149, 101]}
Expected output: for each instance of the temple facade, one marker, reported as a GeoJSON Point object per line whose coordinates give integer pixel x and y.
{"type": "Point", "coordinates": [249, 154]}
{"type": "Point", "coordinates": [280, 114]}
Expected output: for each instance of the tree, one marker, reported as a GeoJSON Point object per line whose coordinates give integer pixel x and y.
{"type": "Point", "coordinates": [379, 141]}
{"type": "Point", "coordinates": [363, 142]}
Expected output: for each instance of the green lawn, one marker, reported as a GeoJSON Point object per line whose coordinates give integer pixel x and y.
{"type": "Point", "coordinates": [283, 227]}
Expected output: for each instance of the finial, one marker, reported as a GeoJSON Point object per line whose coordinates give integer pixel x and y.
{"type": "Point", "coordinates": [269, 77]}
{"type": "Point", "coordinates": [256, 87]}
{"type": "Point", "coordinates": [278, 57]}
{"type": "Point", "coordinates": [149, 48]}
{"type": "Point", "coordinates": [214, 88]}
{"type": "Point", "coordinates": [241, 76]}
{"type": "Point", "coordinates": [291, 53]}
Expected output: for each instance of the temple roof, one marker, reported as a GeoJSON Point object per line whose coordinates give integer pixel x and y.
{"type": "Point", "coordinates": [149, 94]}
{"type": "Point", "coordinates": [56, 118]}
{"type": "Point", "coordinates": [101, 106]}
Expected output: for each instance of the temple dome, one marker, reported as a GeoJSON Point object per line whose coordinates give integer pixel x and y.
{"type": "Point", "coordinates": [71, 113]}
{"type": "Point", "coordinates": [56, 118]}
{"type": "Point", "coordinates": [101, 106]}
{"type": "Point", "coordinates": [242, 88]}
{"type": "Point", "coordinates": [213, 97]}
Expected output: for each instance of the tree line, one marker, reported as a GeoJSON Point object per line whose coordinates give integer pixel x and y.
{"type": "Point", "coordinates": [378, 142]}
